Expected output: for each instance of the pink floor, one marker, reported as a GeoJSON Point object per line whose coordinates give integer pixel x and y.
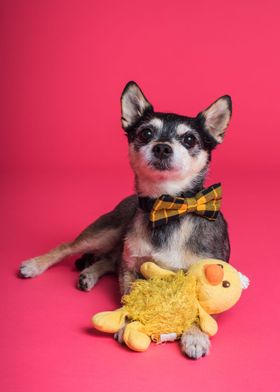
{"type": "Point", "coordinates": [47, 343]}
{"type": "Point", "coordinates": [63, 162]}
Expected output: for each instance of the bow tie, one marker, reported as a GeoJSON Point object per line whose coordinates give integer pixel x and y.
{"type": "Point", "coordinates": [205, 203]}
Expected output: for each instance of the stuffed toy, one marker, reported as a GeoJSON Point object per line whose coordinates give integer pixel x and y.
{"type": "Point", "coordinates": [167, 304]}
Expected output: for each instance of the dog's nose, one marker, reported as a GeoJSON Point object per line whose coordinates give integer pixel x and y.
{"type": "Point", "coordinates": [162, 151]}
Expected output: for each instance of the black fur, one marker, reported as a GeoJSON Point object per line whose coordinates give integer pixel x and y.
{"type": "Point", "coordinates": [214, 243]}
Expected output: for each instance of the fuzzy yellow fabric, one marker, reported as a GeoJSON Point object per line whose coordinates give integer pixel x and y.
{"type": "Point", "coordinates": [163, 305]}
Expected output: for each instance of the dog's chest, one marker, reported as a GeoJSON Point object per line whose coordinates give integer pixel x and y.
{"type": "Point", "coordinates": [167, 246]}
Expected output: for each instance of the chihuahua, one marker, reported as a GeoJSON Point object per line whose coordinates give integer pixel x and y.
{"type": "Point", "coordinates": [170, 155]}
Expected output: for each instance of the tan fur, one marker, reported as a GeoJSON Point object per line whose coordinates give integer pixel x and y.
{"type": "Point", "coordinates": [217, 118]}
{"type": "Point", "coordinates": [102, 241]}
{"type": "Point", "coordinates": [182, 128]}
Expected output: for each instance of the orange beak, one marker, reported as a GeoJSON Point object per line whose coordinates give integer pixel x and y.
{"type": "Point", "coordinates": [214, 274]}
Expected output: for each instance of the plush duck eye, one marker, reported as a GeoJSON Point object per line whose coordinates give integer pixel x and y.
{"type": "Point", "coordinates": [220, 265]}
{"type": "Point", "coordinates": [189, 140]}
{"type": "Point", "coordinates": [146, 135]}
{"type": "Point", "coordinates": [226, 284]}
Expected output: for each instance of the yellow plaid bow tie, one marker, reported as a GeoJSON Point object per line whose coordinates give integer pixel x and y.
{"type": "Point", "coordinates": [206, 203]}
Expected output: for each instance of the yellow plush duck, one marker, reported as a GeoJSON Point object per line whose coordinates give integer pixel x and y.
{"type": "Point", "coordinates": [166, 305]}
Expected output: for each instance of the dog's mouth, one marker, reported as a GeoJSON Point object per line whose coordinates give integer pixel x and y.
{"type": "Point", "coordinates": [161, 164]}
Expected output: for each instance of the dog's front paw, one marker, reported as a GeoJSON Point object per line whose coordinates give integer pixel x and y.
{"type": "Point", "coordinates": [87, 280]}
{"type": "Point", "coordinates": [195, 344]}
{"type": "Point", "coordinates": [31, 268]}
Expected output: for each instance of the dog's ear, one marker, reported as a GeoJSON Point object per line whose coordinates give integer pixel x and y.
{"type": "Point", "coordinates": [133, 104]}
{"type": "Point", "coordinates": [216, 117]}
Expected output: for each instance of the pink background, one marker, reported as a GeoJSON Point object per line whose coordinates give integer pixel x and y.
{"type": "Point", "coordinates": [64, 162]}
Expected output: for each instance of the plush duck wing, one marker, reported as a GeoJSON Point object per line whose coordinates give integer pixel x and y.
{"type": "Point", "coordinates": [151, 270]}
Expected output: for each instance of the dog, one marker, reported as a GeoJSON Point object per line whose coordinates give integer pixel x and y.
{"type": "Point", "coordinates": [170, 155]}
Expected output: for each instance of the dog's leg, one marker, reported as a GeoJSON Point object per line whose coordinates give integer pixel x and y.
{"type": "Point", "coordinates": [100, 237]}
{"type": "Point", "coordinates": [85, 261]}
{"type": "Point", "coordinates": [89, 276]}
{"type": "Point", "coordinates": [97, 242]}
{"type": "Point", "coordinates": [118, 336]}
{"type": "Point", "coordinates": [126, 278]}
{"type": "Point", "coordinates": [36, 266]}
{"type": "Point", "coordinates": [195, 343]}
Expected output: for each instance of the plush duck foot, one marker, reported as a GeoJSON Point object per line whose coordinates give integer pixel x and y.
{"type": "Point", "coordinates": [109, 321]}
{"type": "Point", "coordinates": [134, 338]}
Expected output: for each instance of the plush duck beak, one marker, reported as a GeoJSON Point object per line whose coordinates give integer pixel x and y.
{"type": "Point", "coordinates": [214, 273]}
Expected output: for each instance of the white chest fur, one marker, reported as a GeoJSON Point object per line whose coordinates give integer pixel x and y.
{"type": "Point", "coordinates": [174, 254]}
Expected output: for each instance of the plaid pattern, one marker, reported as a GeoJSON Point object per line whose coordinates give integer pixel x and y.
{"type": "Point", "coordinates": [205, 203]}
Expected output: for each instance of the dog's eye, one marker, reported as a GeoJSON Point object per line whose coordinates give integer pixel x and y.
{"type": "Point", "coordinates": [146, 135]}
{"type": "Point", "coordinates": [226, 284]}
{"type": "Point", "coordinates": [189, 140]}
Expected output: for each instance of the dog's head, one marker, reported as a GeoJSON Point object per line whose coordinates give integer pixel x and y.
{"type": "Point", "coordinates": [170, 153]}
